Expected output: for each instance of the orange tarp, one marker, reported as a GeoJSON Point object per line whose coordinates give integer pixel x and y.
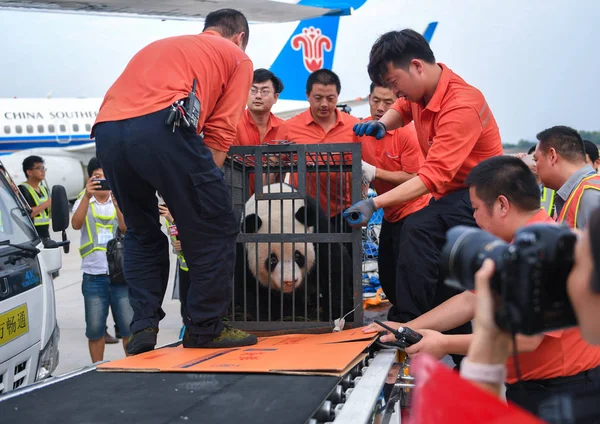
{"type": "Point", "coordinates": [331, 353]}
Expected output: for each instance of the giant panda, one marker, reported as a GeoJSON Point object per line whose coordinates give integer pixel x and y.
{"type": "Point", "coordinates": [283, 276]}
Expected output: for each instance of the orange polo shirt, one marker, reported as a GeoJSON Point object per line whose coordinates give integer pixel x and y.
{"type": "Point", "coordinates": [397, 151]}
{"type": "Point", "coordinates": [560, 354]}
{"type": "Point", "coordinates": [303, 129]}
{"type": "Point", "coordinates": [163, 72]}
{"type": "Point", "coordinates": [247, 131]}
{"type": "Point", "coordinates": [456, 131]}
{"type": "Point", "coordinates": [248, 135]}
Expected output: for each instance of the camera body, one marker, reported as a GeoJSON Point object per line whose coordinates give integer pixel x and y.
{"type": "Point", "coordinates": [530, 277]}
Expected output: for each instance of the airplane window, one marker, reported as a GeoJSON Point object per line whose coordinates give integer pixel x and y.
{"type": "Point", "coordinates": [29, 128]}
{"type": "Point", "coordinates": [7, 129]}
{"type": "Point", "coordinates": [40, 129]}
{"type": "Point", "coordinates": [19, 129]}
{"type": "Point", "coordinates": [88, 127]}
{"type": "Point", "coordinates": [50, 128]}
{"type": "Point", "coordinates": [63, 128]}
{"type": "Point", "coordinates": [75, 127]}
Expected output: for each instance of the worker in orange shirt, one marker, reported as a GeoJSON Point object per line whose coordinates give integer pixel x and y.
{"type": "Point", "coordinates": [551, 362]}
{"type": "Point", "coordinates": [258, 125]}
{"type": "Point", "coordinates": [456, 130]}
{"type": "Point", "coordinates": [388, 162]}
{"type": "Point", "coordinates": [147, 139]}
{"type": "Point", "coordinates": [322, 122]}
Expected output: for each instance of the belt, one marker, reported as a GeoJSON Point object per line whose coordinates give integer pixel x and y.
{"type": "Point", "coordinates": [557, 381]}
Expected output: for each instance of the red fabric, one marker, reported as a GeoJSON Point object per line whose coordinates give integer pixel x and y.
{"type": "Point", "coordinates": [442, 396]}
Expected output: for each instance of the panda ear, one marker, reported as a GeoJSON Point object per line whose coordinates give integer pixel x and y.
{"type": "Point", "coordinates": [307, 215]}
{"type": "Point", "coordinates": [252, 223]}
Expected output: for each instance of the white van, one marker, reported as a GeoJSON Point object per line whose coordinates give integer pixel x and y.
{"type": "Point", "coordinates": [28, 329]}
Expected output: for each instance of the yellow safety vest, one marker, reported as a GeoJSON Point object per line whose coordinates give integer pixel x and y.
{"type": "Point", "coordinates": [182, 263]}
{"type": "Point", "coordinates": [44, 217]}
{"type": "Point", "coordinates": [91, 240]}
{"type": "Point", "coordinates": [547, 201]}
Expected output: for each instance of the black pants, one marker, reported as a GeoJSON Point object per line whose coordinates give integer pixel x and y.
{"type": "Point", "coordinates": [387, 259]}
{"type": "Point", "coordinates": [419, 283]}
{"type": "Point", "coordinates": [530, 394]}
{"type": "Point", "coordinates": [140, 156]}
{"type": "Point", "coordinates": [184, 286]}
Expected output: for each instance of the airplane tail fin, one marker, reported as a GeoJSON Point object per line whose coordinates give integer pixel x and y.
{"type": "Point", "coordinates": [429, 31]}
{"type": "Point", "coordinates": [310, 47]}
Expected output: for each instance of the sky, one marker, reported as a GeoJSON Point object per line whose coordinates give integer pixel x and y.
{"type": "Point", "coordinates": [535, 61]}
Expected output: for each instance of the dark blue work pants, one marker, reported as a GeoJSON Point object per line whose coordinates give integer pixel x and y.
{"type": "Point", "coordinates": [141, 156]}
{"type": "Point", "coordinates": [420, 283]}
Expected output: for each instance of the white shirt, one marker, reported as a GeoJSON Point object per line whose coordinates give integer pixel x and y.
{"type": "Point", "coordinates": [96, 263]}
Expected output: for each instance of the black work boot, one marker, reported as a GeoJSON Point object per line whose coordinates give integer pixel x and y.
{"type": "Point", "coordinates": [142, 341]}
{"type": "Point", "coordinates": [229, 337]}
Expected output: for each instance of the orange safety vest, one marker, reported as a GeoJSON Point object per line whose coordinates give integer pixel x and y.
{"type": "Point", "coordinates": [568, 214]}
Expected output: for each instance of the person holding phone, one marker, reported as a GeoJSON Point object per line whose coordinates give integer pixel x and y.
{"type": "Point", "coordinates": [97, 215]}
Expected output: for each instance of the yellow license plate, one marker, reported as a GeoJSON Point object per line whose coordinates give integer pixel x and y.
{"type": "Point", "coordinates": [13, 324]}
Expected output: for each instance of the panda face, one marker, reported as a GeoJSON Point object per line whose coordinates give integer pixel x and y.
{"type": "Point", "coordinates": [281, 266]}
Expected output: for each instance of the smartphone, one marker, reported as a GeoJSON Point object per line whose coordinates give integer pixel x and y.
{"type": "Point", "coordinates": [103, 185]}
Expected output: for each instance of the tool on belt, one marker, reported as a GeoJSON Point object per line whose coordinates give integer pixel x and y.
{"type": "Point", "coordinates": [185, 112]}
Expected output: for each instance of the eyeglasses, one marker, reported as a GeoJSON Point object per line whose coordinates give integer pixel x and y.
{"type": "Point", "coordinates": [40, 168]}
{"type": "Point", "coordinates": [264, 92]}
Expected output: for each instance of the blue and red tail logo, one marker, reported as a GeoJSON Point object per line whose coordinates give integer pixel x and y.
{"type": "Point", "coordinates": [312, 47]}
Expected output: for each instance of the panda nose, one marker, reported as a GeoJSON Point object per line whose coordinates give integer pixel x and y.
{"type": "Point", "coordinates": [290, 283]}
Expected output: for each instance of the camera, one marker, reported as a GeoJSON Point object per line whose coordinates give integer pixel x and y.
{"type": "Point", "coordinates": [530, 276]}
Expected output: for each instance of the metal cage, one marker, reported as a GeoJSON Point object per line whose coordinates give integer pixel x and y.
{"type": "Point", "coordinates": [302, 188]}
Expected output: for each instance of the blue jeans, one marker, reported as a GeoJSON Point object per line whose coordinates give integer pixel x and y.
{"type": "Point", "coordinates": [98, 295]}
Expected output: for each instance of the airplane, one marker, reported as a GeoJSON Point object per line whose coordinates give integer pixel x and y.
{"type": "Point", "coordinates": [58, 129]}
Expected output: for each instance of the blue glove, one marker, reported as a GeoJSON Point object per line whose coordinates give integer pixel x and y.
{"type": "Point", "coordinates": [370, 128]}
{"type": "Point", "coordinates": [359, 214]}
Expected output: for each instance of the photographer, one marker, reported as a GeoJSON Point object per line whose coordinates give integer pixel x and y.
{"type": "Point", "coordinates": [491, 346]}
{"type": "Point", "coordinates": [505, 197]}
{"type": "Point", "coordinates": [97, 215]}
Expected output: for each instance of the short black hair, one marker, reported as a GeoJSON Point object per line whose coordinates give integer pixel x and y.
{"type": "Point", "coordinates": [508, 176]}
{"type": "Point", "coordinates": [591, 150]}
{"type": "Point", "coordinates": [93, 164]}
{"type": "Point", "coordinates": [263, 75]}
{"type": "Point", "coordinates": [228, 22]}
{"type": "Point", "coordinates": [399, 48]}
{"type": "Point", "coordinates": [325, 77]}
{"type": "Point", "coordinates": [531, 150]}
{"type": "Point", "coordinates": [565, 140]}
{"type": "Point", "coordinates": [373, 86]}
{"type": "Point", "coordinates": [29, 163]}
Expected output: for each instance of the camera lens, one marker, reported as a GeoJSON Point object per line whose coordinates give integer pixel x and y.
{"type": "Point", "coordinates": [465, 250]}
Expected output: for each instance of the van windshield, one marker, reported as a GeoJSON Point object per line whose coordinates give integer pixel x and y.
{"type": "Point", "coordinates": [15, 224]}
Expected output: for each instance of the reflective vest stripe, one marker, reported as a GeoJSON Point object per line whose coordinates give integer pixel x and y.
{"type": "Point", "coordinates": [568, 214]}
{"type": "Point", "coordinates": [547, 200]}
{"type": "Point", "coordinates": [44, 217]}
{"type": "Point", "coordinates": [90, 241]}
{"type": "Point", "coordinates": [182, 263]}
